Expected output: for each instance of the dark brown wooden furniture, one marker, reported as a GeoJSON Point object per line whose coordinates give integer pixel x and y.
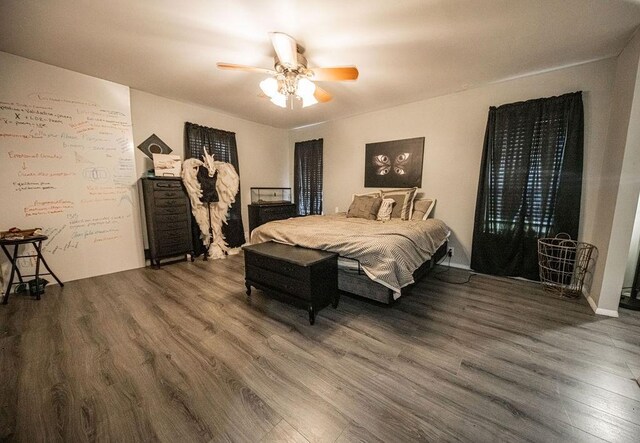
{"type": "Point", "coordinates": [260, 214]}
{"type": "Point", "coordinates": [36, 242]}
{"type": "Point", "coordinates": [303, 276]}
{"type": "Point", "coordinates": [168, 215]}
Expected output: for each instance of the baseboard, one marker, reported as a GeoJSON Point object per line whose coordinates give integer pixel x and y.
{"type": "Point", "coordinates": [457, 266]}
{"type": "Point", "coordinates": [592, 303]}
{"type": "Point", "coordinates": [445, 261]}
{"type": "Point", "coordinates": [600, 311]}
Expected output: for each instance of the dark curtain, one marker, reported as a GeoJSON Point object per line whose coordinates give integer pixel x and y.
{"type": "Point", "coordinates": [530, 183]}
{"type": "Point", "coordinates": [222, 145]}
{"type": "Point", "coordinates": [307, 172]}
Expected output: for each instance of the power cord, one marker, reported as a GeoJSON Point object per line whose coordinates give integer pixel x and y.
{"type": "Point", "coordinates": [436, 274]}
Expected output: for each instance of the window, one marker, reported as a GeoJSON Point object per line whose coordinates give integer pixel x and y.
{"type": "Point", "coordinates": [308, 177]}
{"type": "Point", "coordinates": [530, 182]}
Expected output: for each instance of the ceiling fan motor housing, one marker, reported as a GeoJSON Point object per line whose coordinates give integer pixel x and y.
{"type": "Point", "coordinates": [288, 76]}
{"type": "Point", "coordinates": [301, 68]}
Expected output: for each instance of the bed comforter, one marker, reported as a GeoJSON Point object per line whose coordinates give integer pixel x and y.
{"type": "Point", "coordinates": [389, 252]}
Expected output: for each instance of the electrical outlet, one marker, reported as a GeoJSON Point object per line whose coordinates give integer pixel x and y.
{"type": "Point", "coordinates": [450, 252]}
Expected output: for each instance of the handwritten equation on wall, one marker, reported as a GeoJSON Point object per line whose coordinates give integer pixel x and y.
{"type": "Point", "coordinates": [67, 166]}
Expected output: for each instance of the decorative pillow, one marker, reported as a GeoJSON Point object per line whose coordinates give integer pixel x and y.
{"type": "Point", "coordinates": [364, 206]}
{"type": "Point", "coordinates": [422, 208]}
{"type": "Point", "coordinates": [384, 213]}
{"type": "Point", "coordinates": [368, 194]}
{"type": "Point", "coordinates": [404, 202]}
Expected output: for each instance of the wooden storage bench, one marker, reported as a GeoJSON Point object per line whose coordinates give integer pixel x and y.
{"type": "Point", "coordinates": [300, 275]}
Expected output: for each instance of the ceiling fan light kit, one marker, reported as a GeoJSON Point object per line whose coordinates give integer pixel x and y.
{"type": "Point", "coordinates": [292, 79]}
{"type": "Point", "coordinates": [281, 90]}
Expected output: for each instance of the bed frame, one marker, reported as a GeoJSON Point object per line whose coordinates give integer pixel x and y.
{"type": "Point", "coordinates": [360, 284]}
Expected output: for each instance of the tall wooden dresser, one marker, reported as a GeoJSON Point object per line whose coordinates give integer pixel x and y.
{"type": "Point", "coordinates": [168, 215]}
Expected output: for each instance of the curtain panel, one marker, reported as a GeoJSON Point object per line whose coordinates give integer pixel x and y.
{"type": "Point", "coordinates": [308, 177]}
{"type": "Point", "coordinates": [530, 182]}
{"type": "Point", "coordinates": [222, 145]}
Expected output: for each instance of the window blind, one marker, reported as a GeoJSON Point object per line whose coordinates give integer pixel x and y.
{"type": "Point", "coordinates": [308, 177]}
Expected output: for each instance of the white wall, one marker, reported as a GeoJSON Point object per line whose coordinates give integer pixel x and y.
{"type": "Point", "coordinates": [67, 166]}
{"type": "Point", "coordinates": [454, 127]}
{"type": "Point", "coordinates": [262, 150]}
{"type": "Point", "coordinates": [618, 195]}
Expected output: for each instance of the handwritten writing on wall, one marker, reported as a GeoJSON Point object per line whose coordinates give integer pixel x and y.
{"type": "Point", "coordinates": [67, 166]}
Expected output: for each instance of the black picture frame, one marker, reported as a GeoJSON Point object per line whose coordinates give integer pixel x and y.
{"type": "Point", "coordinates": [394, 164]}
{"type": "Point", "coordinates": [154, 145]}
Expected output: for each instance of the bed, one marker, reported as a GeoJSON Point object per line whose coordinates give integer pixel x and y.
{"type": "Point", "coordinates": [378, 260]}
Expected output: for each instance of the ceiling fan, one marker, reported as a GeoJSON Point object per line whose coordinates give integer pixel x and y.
{"type": "Point", "coordinates": [291, 78]}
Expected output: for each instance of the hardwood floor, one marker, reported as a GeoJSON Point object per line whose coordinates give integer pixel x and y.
{"type": "Point", "coordinates": [180, 354]}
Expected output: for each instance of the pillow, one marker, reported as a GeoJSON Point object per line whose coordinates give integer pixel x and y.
{"type": "Point", "coordinates": [404, 202]}
{"type": "Point", "coordinates": [364, 206]}
{"type": "Point", "coordinates": [384, 213]}
{"type": "Point", "coordinates": [422, 208]}
{"type": "Point", "coordinates": [369, 194]}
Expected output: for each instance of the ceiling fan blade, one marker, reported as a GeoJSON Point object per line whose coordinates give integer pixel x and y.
{"type": "Point", "coordinates": [321, 95]}
{"type": "Point", "coordinates": [286, 48]}
{"type": "Point", "coordinates": [235, 67]}
{"type": "Point", "coordinates": [340, 73]}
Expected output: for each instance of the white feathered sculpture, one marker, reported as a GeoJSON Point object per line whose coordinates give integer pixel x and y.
{"type": "Point", "coordinates": [227, 186]}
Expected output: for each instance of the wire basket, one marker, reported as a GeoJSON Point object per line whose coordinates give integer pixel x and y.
{"type": "Point", "coordinates": [564, 263]}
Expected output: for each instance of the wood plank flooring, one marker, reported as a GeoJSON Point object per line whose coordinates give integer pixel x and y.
{"type": "Point", "coordinates": [180, 354]}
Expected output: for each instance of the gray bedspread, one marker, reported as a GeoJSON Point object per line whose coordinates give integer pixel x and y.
{"type": "Point", "coordinates": [389, 252]}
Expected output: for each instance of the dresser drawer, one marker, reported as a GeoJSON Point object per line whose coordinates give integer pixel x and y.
{"type": "Point", "coordinates": [293, 287]}
{"type": "Point", "coordinates": [173, 249]}
{"type": "Point", "coordinates": [280, 267]}
{"type": "Point", "coordinates": [277, 211]}
{"type": "Point", "coordinates": [170, 210]}
{"type": "Point", "coordinates": [180, 225]}
{"type": "Point", "coordinates": [169, 241]}
{"type": "Point", "coordinates": [271, 217]}
{"type": "Point", "coordinates": [174, 236]}
{"type": "Point", "coordinates": [182, 216]}
{"type": "Point", "coordinates": [167, 184]}
{"type": "Point", "coordinates": [168, 193]}
{"type": "Point", "coordinates": [171, 202]}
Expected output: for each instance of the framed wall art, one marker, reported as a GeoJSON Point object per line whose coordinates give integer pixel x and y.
{"type": "Point", "coordinates": [154, 145]}
{"type": "Point", "coordinates": [394, 164]}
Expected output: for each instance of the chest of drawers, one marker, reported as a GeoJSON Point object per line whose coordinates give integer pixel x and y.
{"type": "Point", "coordinates": [261, 214]}
{"type": "Point", "coordinates": [303, 276]}
{"type": "Point", "coordinates": [168, 215]}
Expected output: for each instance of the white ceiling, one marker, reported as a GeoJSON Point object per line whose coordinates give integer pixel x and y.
{"type": "Point", "coordinates": [406, 50]}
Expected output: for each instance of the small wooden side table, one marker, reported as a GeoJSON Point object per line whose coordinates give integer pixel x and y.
{"type": "Point", "coordinates": [36, 241]}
